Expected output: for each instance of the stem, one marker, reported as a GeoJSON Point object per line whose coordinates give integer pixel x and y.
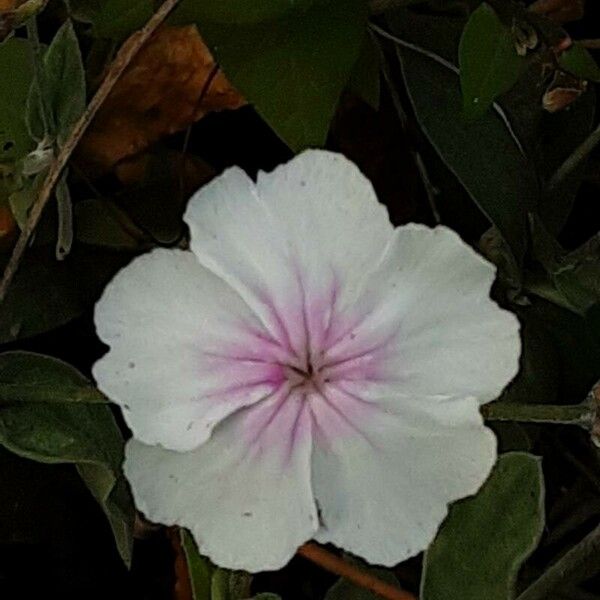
{"type": "Point", "coordinates": [591, 44]}
{"type": "Point", "coordinates": [334, 564]}
{"type": "Point", "coordinates": [563, 567]}
{"type": "Point", "coordinates": [575, 414]}
{"type": "Point", "coordinates": [574, 159]}
{"type": "Point", "coordinates": [125, 55]}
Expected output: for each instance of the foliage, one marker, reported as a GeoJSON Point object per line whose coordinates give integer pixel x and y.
{"type": "Point", "coordinates": [274, 55]}
{"type": "Point", "coordinates": [16, 63]}
{"type": "Point", "coordinates": [213, 583]}
{"type": "Point", "coordinates": [50, 413]}
{"type": "Point", "coordinates": [444, 105]}
{"type": "Point", "coordinates": [488, 61]}
{"type": "Point", "coordinates": [477, 555]}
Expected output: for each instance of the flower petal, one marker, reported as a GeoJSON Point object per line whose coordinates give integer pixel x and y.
{"type": "Point", "coordinates": [287, 242]}
{"type": "Point", "coordinates": [427, 320]}
{"type": "Point", "coordinates": [185, 349]}
{"type": "Point", "coordinates": [382, 495]}
{"type": "Point", "coordinates": [245, 494]}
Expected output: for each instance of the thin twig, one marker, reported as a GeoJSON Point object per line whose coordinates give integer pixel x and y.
{"type": "Point", "coordinates": [125, 55]}
{"type": "Point", "coordinates": [334, 564]}
{"type": "Point", "coordinates": [591, 44]}
{"type": "Point", "coordinates": [578, 155]}
{"type": "Point", "coordinates": [558, 573]}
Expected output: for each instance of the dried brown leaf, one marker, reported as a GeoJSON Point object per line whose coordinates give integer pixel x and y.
{"type": "Point", "coordinates": [158, 95]}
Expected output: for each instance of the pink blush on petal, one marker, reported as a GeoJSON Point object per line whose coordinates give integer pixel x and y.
{"type": "Point", "coordinates": [302, 379]}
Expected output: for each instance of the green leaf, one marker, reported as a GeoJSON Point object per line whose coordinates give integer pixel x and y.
{"type": "Point", "coordinates": [200, 569]}
{"type": "Point", "coordinates": [483, 154]}
{"type": "Point", "coordinates": [489, 63]}
{"type": "Point", "coordinates": [117, 19]}
{"type": "Point", "coordinates": [538, 377]}
{"type": "Point", "coordinates": [364, 79]}
{"type": "Point", "coordinates": [485, 539]}
{"type": "Point", "coordinates": [112, 492]}
{"type": "Point", "coordinates": [27, 377]}
{"type": "Point", "coordinates": [62, 86]}
{"type": "Point", "coordinates": [574, 275]}
{"type": "Point", "coordinates": [84, 10]}
{"type": "Point", "coordinates": [46, 294]}
{"type": "Point", "coordinates": [220, 585]}
{"type": "Point", "coordinates": [293, 69]}
{"type": "Point", "coordinates": [241, 11]}
{"type": "Point", "coordinates": [16, 71]}
{"type": "Point", "coordinates": [213, 583]}
{"type": "Point", "coordinates": [66, 431]}
{"type": "Point", "coordinates": [230, 585]}
{"type": "Point", "coordinates": [22, 200]}
{"type": "Point", "coordinates": [578, 61]}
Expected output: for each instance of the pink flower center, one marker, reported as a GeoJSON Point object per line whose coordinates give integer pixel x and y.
{"type": "Point", "coordinates": [309, 370]}
{"type": "Point", "coordinates": [310, 379]}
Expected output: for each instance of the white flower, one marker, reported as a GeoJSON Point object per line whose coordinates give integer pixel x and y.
{"type": "Point", "coordinates": [306, 371]}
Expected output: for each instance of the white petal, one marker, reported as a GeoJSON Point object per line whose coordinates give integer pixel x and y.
{"type": "Point", "coordinates": [382, 495]}
{"type": "Point", "coordinates": [289, 243]}
{"type": "Point", "coordinates": [172, 327]}
{"type": "Point", "coordinates": [429, 321]}
{"type": "Point", "coordinates": [245, 494]}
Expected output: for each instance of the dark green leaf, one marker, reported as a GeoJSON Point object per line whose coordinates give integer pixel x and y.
{"type": "Point", "coordinates": [293, 69]}
{"type": "Point", "coordinates": [576, 341]}
{"type": "Point", "coordinates": [27, 377]}
{"type": "Point", "coordinates": [549, 138]}
{"type": "Point", "coordinates": [22, 200]}
{"type": "Point", "coordinates": [112, 492]}
{"type": "Point", "coordinates": [364, 79]}
{"type": "Point", "coordinates": [213, 583]}
{"type": "Point", "coordinates": [489, 63]}
{"type": "Point", "coordinates": [200, 569]}
{"type": "Point", "coordinates": [241, 11]}
{"type": "Point", "coordinates": [574, 277]}
{"type": "Point", "coordinates": [230, 585]}
{"type": "Point", "coordinates": [73, 431]}
{"type": "Point", "coordinates": [16, 71]}
{"type": "Point", "coordinates": [62, 86]}
{"type": "Point", "coordinates": [539, 373]}
{"type": "Point", "coordinates": [578, 61]}
{"type": "Point", "coordinates": [485, 539]}
{"type": "Point", "coordinates": [116, 19]}
{"type": "Point", "coordinates": [84, 10]}
{"type": "Point", "coordinates": [483, 155]}
{"type": "Point", "coordinates": [46, 294]}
